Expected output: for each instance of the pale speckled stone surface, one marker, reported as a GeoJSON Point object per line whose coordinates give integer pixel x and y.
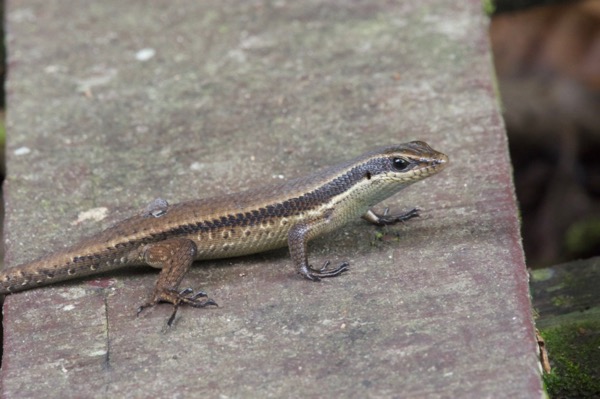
{"type": "Point", "coordinates": [111, 104]}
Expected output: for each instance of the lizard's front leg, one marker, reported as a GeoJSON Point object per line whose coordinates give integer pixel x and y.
{"type": "Point", "coordinates": [175, 257]}
{"type": "Point", "coordinates": [298, 238]}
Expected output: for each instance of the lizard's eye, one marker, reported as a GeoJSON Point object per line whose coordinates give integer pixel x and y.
{"type": "Point", "coordinates": [400, 164]}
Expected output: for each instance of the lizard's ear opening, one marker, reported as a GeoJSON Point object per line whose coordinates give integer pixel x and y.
{"type": "Point", "coordinates": [368, 175]}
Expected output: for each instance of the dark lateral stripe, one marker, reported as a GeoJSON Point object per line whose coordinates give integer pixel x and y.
{"type": "Point", "coordinates": [287, 208]}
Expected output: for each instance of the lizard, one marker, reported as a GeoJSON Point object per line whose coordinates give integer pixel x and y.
{"type": "Point", "coordinates": [292, 213]}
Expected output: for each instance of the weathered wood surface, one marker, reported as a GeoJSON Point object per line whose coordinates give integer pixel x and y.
{"type": "Point", "coordinates": [112, 104]}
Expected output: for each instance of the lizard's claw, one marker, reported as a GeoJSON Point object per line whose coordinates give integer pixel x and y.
{"type": "Point", "coordinates": [175, 298]}
{"type": "Point", "coordinates": [325, 271]}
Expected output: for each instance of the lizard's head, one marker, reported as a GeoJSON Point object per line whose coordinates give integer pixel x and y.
{"type": "Point", "coordinates": [410, 162]}
{"type": "Point", "coordinates": [378, 174]}
{"type": "Point", "coordinates": [381, 173]}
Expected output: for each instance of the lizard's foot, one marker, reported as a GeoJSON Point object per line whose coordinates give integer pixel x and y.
{"type": "Point", "coordinates": [386, 219]}
{"type": "Point", "coordinates": [175, 298]}
{"type": "Point", "coordinates": [324, 272]}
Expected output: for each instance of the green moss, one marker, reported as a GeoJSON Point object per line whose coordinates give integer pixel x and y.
{"type": "Point", "coordinates": [377, 240]}
{"type": "Point", "coordinates": [574, 352]}
{"type": "Point", "coordinates": [489, 7]}
{"type": "Point", "coordinates": [583, 236]}
{"type": "Point", "coordinates": [383, 237]}
{"type": "Point", "coordinates": [538, 275]}
{"type": "Point", "coordinates": [561, 301]}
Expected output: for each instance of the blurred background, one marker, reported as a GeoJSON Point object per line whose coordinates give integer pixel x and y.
{"type": "Point", "coordinates": [547, 59]}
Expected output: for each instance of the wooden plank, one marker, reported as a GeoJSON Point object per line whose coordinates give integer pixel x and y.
{"type": "Point", "coordinates": [113, 104]}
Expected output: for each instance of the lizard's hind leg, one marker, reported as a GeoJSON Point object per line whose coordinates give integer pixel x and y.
{"type": "Point", "coordinates": [175, 257]}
